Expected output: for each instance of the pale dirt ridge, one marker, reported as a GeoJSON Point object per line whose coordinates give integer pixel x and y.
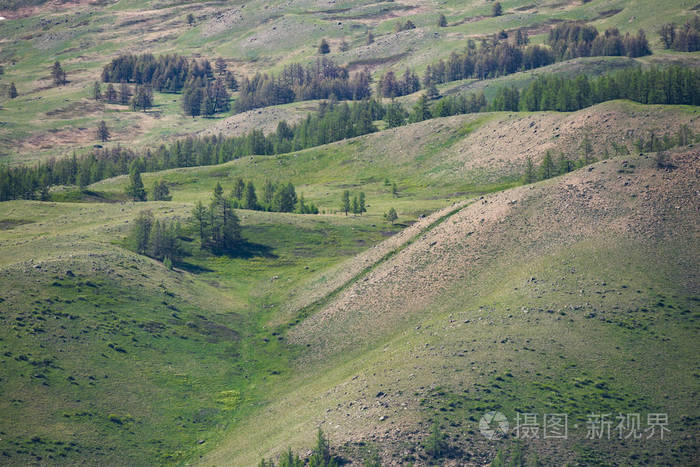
{"type": "Point", "coordinates": [648, 204]}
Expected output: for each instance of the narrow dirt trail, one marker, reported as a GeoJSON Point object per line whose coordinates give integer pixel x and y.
{"type": "Point", "coordinates": [325, 288]}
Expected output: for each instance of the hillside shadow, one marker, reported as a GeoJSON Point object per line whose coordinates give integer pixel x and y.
{"type": "Point", "coordinates": [191, 268]}
{"type": "Point", "coordinates": [248, 249]}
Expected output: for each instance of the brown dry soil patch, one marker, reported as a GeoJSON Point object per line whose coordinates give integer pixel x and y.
{"type": "Point", "coordinates": [264, 119]}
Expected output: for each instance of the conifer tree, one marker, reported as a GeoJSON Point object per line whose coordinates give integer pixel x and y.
{"type": "Point", "coordinates": [201, 217]}
{"type": "Point", "coordinates": [161, 192]}
{"type": "Point", "coordinates": [12, 91]}
{"type": "Point", "coordinates": [587, 149]}
{"type": "Point", "coordinates": [268, 192]}
{"type": "Point", "coordinates": [250, 199]}
{"type": "Point", "coordinates": [324, 48]}
{"type": "Point", "coordinates": [143, 98]}
{"type": "Point", "coordinates": [141, 231]}
{"type": "Point", "coordinates": [97, 91]}
{"type": "Point", "coordinates": [238, 189]}
{"type": "Point", "coordinates": [111, 94]}
{"type": "Point", "coordinates": [420, 111]}
{"type": "Point", "coordinates": [135, 189]}
{"type": "Point", "coordinates": [529, 176]}
{"type": "Point", "coordinates": [285, 198]}
{"type": "Point", "coordinates": [547, 169]}
{"type": "Point", "coordinates": [395, 114]}
{"type": "Point", "coordinates": [124, 93]}
{"type": "Point", "coordinates": [391, 216]}
{"type": "Point", "coordinates": [58, 75]}
{"type": "Point", "coordinates": [220, 66]}
{"type": "Point", "coordinates": [497, 9]}
{"type": "Point", "coordinates": [345, 202]}
{"type": "Point", "coordinates": [102, 131]}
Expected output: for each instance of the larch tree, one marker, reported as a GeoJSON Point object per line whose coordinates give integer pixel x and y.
{"type": "Point", "coordinates": [345, 202]}
{"type": "Point", "coordinates": [220, 66]}
{"type": "Point", "coordinates": [497, 9]}
{"type": "Point", "coordinates": [102, 131]}
{"type": "Point", "coordinates": [97, 91]}
{"type": "Point", "coordinates": [391, 216]}
{"type": "Point", "coordinates": [201, 217]}
{"type": "Point", "coordinates": [324, 48]}
{"type": "Point", "coordinates": [58, 75]}
{"type": "Point", "coordinates": [250, 199]}
{"type": "Point", "coordinates": [135, 189]}
{"type": "Point", "coordinates": [238, 189]}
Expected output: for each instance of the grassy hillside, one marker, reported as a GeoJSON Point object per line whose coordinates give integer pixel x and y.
{"type": "Point", "coordinates": [222, 341]}
{"type": "Point", "coordinates": [45, 121]}
{"type": "Point", "coordinates": [585, 303]}
{"type": "Point", "coordinates": [433, 162]}
{"type": "Point", "coordinates": [575, 295]}
{"type": "Point", "coordinates": [82, 317]}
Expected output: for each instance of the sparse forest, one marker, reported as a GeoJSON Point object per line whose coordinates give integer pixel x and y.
{"type": "Point", "coordinates": [337, 121]}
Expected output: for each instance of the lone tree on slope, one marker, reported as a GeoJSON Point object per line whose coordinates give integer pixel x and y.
{"type": "Point", "coordinates": [102, 131]}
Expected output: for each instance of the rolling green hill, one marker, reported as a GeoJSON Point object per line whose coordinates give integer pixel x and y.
{"type": "Point", "coordinates": [541, 262]}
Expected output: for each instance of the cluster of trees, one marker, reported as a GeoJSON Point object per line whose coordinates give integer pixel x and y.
{"type": "Point", "coordinates": [165, 73]}
{"type": "Point", "coordinates": [551, 166]}
{"type": "Point", "coordinates": [575, 39]}
{"type": "Point", "coordinates": [673, 85]}
{"type": "Point", "coordinates": [390, 86]}
{"type": "Point", "coordinates": [356, 206]}
{"type": "Point", "coordinates": [408, 25]}
{"type": "Point", "coordinates": [320, 457]}
{"type": "Point", "coordinates": [656, 143]}
{"type": "Point", "coordinates": [499, 56]}
{"type": "Point", "coordinates": [160, 191]}
{"type": "Point", "coordinates": [504, 54]}
{"type": "Point", "coordinates": [436, 446]}
{"type": "Point", "coordinates": [276, 197]}
{"type": "Point", "coordinates": [205, 97]}
{"type": "Point", "coordinates": [684, 38]}
{"type": "Point", "coordinates": [336, 121]}
{"type": "Point", "coordinates": [136, 190]}
{"type": "Point", "coordinates": [320, 80]}
{"type": "Point", "coordinates": [396, 115]}
{"type": "Point", "coordinates": [31, 182]}
{"type": "Point", "coordinates": [204, 93]}
{"type": "Point", "coordinates": [218, 226]}
{"type": "Point", "coordinates": [139, 99]}
{"type": "Point", "coordinates": [159, 239]}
